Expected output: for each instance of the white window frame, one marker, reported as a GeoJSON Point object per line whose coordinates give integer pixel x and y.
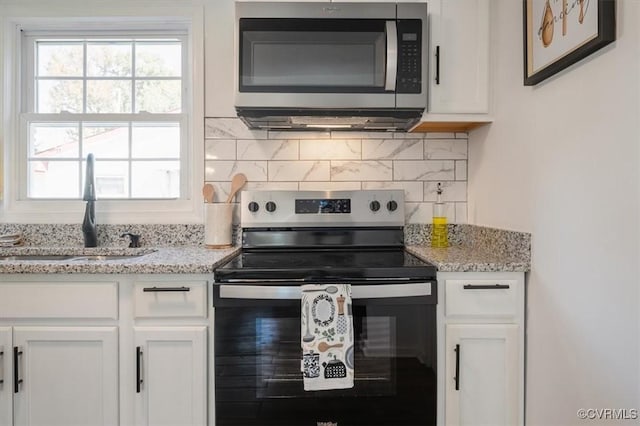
{"type": "Point", "coordinates": [29, 101]}
{"type": "Point", "coordinates": [14, 206]}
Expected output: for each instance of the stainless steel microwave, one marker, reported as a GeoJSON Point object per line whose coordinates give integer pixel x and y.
{"type": "Point", "coordinates": [332, 65]}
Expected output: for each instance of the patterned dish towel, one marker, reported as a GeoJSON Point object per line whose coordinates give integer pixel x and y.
{"type": "Point", "coordinates": [327, 337]}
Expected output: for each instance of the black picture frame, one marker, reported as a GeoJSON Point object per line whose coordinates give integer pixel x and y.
{"type": "Point", "coordinates": [538, 27]}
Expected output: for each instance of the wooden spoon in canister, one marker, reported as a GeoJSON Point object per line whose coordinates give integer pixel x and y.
{"type": "Point", "coordinates": [208, 192]}
{"type": "Point", "coordinates": [237, 183]}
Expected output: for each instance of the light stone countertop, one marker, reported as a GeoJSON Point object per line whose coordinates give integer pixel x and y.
{"type": "Point", "coordinates": [159, 260]}
{"type": "Point", "coordinates": [473, 249]}
{"type": "Point", "coordinates": [199, 260]}
{"type": "Point", "coordinates": [464, 258]}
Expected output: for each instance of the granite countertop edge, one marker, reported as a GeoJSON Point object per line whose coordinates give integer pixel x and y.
{"type": "Point", "coordinates": [200, 260]}
{"type": "Point", "coordinates": [461, 258]}
{"type": "Point", "coordinates": [158, 260]}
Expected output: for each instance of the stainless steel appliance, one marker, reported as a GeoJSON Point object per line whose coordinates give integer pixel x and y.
{"type": "Point", "coordinates": [295, 237]}
{"type": "Point", "coordinates": [336, 66]}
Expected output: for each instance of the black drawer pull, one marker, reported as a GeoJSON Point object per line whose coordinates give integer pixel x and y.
{"type": "Point", "coordinates": [486, 287]}
{"type": "Point", "coordinates": [165, 289]}
{"type": "Point", "coordinates": [138, 369]}
{"type": "Point", "coordinates": [457, 377]}
{"type": "Point", "coordinates": [17, 381]}
{"type": "Point", "coordinates": [437, 64]}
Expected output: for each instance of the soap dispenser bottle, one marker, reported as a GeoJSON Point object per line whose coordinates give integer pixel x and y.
{"type": "Point", "coordinates": [439, 236]}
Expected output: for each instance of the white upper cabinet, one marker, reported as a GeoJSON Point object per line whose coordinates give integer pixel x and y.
{"type": "Point", "coordinates": [459, 56]}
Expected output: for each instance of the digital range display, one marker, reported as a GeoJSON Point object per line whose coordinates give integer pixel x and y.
{"type": "Point", "coordinates": [323, 206]}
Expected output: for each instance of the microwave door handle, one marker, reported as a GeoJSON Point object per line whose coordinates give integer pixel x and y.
{"type": "Point", "coordinates": [392, 56]}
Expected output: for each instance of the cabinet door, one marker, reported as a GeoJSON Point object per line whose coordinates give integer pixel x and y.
{"type": "Point", "coordinates": [6, 378]}
{"type": "Point", "coordinates": [482, 375]}
{"type": "Point", "coordinates": [459, 74]}
{"type": "Point", "coordinates": [69, 376]}
{"type": "Point", "coordinates": [171, 376]}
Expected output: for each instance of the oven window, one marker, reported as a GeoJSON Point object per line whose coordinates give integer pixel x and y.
{"type": "Point", "coordinates": [320, 56]}
{"type": "Point", "coordinates": [258, 378]}
{"type": "Point", "coordinates": [278, 363]}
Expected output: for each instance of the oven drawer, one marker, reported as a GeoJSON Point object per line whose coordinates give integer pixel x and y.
{"type": "Point", "coordinates": [184, 299]}
{"type": "Point", "coordinates": [481, 298]}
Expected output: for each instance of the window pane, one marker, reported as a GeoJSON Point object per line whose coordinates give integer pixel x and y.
{"type": "Point", "coordinates": [59, 59]}
{"type": "Point", "coordinates": [53, 179]}
{"type": "Point", "coordinates": [158, 59]}
{"type": "Point", "coordinates": [157, 140]}
{"type": "Point", "coordinates": [111, 59]}
{"type": "Point", "coordinates": [112, 178]}
{"type": "Point", "coordinates": [155, 179]}
{"type": "Point", "coordinates": [108, 96]}
{"type": "Point", "coordinates": [53, 140]}
{"type": "Point", "coordinates": [160, 96]}
{"type": "Point", "coordinates": [106, 140]}
{"type": "Point", "coordinates": [55, 96]}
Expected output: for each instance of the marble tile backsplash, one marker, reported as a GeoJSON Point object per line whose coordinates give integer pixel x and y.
{"type": "Point", "coordinates": [415, 162]}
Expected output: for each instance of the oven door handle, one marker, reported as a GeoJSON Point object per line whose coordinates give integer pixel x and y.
{"type": "Point", "coordinates": [380, 291]}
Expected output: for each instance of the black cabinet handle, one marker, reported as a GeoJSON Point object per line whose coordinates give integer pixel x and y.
{"type": "Point", "coordinates": [138, 369]}
{"type": "Point", "coordinates": [1, 365]}
{"type": "Point", "coordinates": [457, 377]}
{"type": "Point", "coordinates": [165, 289]}
{"type": "Point", "coordinates": [17, 381]}
{"type": "Point", "coordinates": [437, 64]}
{"type": "Point", "coordinates": [486, 287]}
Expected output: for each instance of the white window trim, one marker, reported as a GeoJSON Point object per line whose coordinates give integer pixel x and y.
{"type": "Point", "coordinates": [13, 207]}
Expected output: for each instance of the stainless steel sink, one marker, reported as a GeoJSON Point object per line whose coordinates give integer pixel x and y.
{"type": "Point", "coordinates": [23, 257]}
{"type": "Point", "coordinates": [102, 257]}
{"type": "Point", "coordinates": [69, 258]}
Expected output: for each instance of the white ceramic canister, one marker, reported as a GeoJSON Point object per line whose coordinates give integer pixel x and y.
{"type": "Point", "coordinates": [218, 225]}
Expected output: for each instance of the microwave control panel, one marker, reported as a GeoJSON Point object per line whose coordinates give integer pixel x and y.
{"type": "Point", "coordinates": [409, 56]}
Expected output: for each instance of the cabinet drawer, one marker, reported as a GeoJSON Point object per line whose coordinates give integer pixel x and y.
{"type": "Point", "coordinates": [186, 299]}
{"type": "Point", "coordinates": [484, 298]}
{"type": "Point", "coordinates": [59, 300]}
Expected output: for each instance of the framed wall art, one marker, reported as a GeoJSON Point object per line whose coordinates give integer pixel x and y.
{"type": "Point", "coordinates": [559, 33]}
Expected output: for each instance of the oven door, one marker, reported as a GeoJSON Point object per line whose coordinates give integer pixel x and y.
{"type": "Point", "coordinates": [258, 353]}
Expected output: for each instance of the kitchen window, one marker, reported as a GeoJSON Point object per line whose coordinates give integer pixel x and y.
{"type": "Point", "coordinates": [118, 96]}
{"type": "Point", "coordinates": [112, 81]}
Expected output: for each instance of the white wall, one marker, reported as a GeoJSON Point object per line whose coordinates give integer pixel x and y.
{"type": "Point", "coordinates": [561, 161]}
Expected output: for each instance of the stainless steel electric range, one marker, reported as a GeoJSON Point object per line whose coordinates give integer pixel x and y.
{"type": "Point", "coordinates": [292, 238]}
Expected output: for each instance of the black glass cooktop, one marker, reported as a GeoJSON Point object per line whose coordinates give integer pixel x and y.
{"type": "Point", "coordinates": [324, 265]}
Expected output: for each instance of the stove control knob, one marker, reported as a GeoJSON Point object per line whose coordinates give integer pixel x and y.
{"type": "Point", "coordinates": [254, 207]}
{"type": "Point", "coordinates": [271, 206]}
{"type": "Point", "coordinates": [374, 206]}
{"type": "Point", "coordinates": [392, 206]}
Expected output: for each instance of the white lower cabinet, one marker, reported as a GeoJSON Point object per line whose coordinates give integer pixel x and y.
{"type": "Point", "coordinates": [76, 348]}
{"type": "Point", "coordinates": [482, 380]}
{"type": "Point", "coordinates": [6, 379]}
{"type": "Point", "coordinates": [66, 376]}
{"type": "Point", "coordinates": [482, 375]}
{"type": "Point", "coordinates": [171, 375]}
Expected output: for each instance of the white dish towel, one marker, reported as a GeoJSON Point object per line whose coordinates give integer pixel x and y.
{"type": "Point", "coordinates": [327, 337]}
